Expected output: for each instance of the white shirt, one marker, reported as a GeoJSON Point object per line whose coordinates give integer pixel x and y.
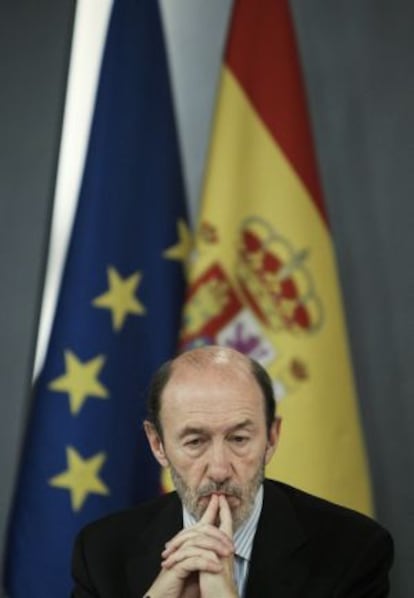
{"type": "Point", "coordinates": [243, 541]}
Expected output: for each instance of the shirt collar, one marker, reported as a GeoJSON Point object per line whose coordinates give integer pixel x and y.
{"type": "Point", "coordinates": [243, 538]}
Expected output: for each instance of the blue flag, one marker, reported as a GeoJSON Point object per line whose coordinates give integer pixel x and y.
{"type": "Point", "coordinates": [117, 317]}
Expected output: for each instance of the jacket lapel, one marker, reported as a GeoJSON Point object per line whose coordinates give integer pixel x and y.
{"type": "Point", "coordinates": [274, 571]}
{"type": "Point", "coordinates": [144, 564]}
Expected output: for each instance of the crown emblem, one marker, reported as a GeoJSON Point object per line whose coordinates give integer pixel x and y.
{"type": "Point", "coordinates": [274, 281]}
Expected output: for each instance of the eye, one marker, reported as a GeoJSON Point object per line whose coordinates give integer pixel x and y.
{"type": "Point", "coordinates": [239, 439]}
{"type": "Point", "coordinates": [194, 442]}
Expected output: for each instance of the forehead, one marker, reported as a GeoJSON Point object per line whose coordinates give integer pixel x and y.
{"type": "Point", "coordinates": [211, 395]}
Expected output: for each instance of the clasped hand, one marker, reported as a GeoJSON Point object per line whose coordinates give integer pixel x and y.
{"type": "Point", "coordinates": [198, 561]}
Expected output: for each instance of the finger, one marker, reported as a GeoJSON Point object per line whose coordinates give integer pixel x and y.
{"type": "Point", "coordinates": [192, 559]}
{"type": "Point", "coordinates": [226, 520]}
{"type": "Point", "coordinates": [210, 514]}
{"type": "Point", "coordinates": [215, 544]}
{"type": "Point", "coordinates": [198, 534]}
{"type": "Point", "coordinates": [188, 534]}
{"type": "Point", "coordinates": [192, 564]}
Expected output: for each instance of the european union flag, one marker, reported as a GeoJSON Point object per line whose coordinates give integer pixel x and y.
{"type": "Point", "coordinates": [117, 317]}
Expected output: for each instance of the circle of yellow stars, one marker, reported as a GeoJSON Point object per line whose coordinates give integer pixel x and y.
{"type": "Point", "coordinates": [80, 381]}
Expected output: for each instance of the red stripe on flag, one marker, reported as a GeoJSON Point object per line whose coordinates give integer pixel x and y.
{"type": "Point", "coordinates": [262, 55]}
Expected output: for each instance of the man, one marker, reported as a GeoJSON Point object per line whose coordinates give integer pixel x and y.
{"type": "Point", "coordinates": [227, 532]}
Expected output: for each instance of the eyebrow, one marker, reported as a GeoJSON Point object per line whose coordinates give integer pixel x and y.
{"type": "Point", "coordinates": [188, 430]}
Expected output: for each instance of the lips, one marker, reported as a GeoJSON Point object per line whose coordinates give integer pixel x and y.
{"type": "Point", "coordinates": [231, 498]}
{"type": "Point", "coordinates": [216, 493]}
{"type": "Point", "coordinates": [230, 491]}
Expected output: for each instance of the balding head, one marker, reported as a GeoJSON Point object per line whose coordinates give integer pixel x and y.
{"type": "Point", "coordinates": [224, 361]}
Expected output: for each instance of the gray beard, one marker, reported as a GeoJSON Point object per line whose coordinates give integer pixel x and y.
{"type": "Point", "coordinates": [247, 495]}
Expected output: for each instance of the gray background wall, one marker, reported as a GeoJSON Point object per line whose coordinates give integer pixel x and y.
{"type": "Point", "coordinates": [34, 54]}
{"type": "Point", "coordinates": [358, 59]}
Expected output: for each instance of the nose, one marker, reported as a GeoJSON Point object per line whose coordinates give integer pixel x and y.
{"type": "Point", "coordinates": [218, 465]}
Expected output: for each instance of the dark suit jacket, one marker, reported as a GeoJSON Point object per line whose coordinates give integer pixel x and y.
{"type": "Point", "coordinates": [304, 547]}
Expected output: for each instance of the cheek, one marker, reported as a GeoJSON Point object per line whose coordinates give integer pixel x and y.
{"type": "Point", "coordinates": [250, 463]}
{"type": "Point", "coordinates": [190, 469]}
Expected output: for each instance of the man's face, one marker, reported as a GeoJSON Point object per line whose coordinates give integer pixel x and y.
{"type": "Point", "coordinates": [214, 436]}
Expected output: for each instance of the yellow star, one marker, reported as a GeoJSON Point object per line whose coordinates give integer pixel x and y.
{"type": "Point", "coordinates": [80, 381]}
{"type": "Point", "coordinates": [120, 298]}
{"type": "Point", "coordinates": [81, 477]}
{"type": "Point", "coordinates": [182, 249]}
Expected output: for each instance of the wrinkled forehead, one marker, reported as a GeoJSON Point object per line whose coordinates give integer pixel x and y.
{"type": "Point", "coordinates": [200, 373]}
{"type": "Point", "coordinates": [218, 364]}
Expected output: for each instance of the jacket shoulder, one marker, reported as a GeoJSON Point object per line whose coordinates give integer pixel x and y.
{"type": "Point", "coordinates": [332, 530]}
{"type": "Point", "coordinates": [103, 548]}
{"type": "Point", "coordinates": [130, 522]}
{"type": "Point", "coordinates": [313, 511]}
{"type": "Point", "coordinates": [318, 548]}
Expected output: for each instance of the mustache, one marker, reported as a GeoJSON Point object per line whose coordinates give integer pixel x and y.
{"type": "Point", "coordinates": [223, 487]}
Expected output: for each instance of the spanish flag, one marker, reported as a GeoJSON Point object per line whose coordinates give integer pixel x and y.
{"type": "Point", "coordinates": [263, 279]}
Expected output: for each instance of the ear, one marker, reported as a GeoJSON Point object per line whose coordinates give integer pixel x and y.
{"type": "Point", "coordinates": [155, 443]}
{"type": "Point", "coordinates": [273, 439]}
